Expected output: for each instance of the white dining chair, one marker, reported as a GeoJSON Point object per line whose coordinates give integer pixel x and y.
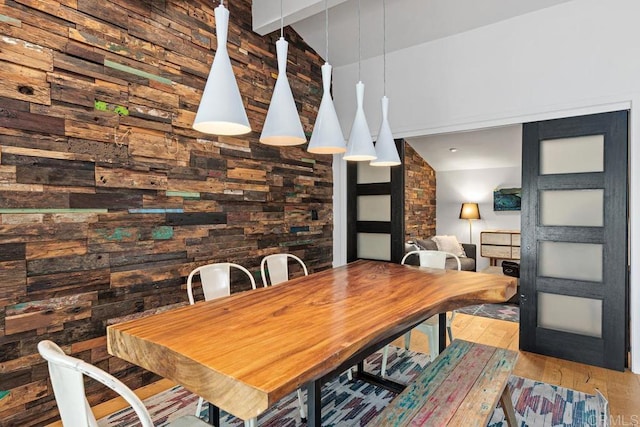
{"type": "Point", "coordinates": [432, 259]}
{"type": "Point", "coordinates": [277, 268]}
{"type": "Point", "coordinates": [215, 280]}
{"type": "Point", "coordinates": [67, 380]}
{"type": "Point", "coordinates": [276, 272]}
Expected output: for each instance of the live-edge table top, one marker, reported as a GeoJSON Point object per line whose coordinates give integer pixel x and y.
{"type": "Point", "coordinates": [245, 352]}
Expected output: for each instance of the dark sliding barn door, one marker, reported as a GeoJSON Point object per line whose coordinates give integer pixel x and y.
{"type": "Point", "coordinates": [375, 210]}
{"type": "Point", "coordinates": [574, 239]}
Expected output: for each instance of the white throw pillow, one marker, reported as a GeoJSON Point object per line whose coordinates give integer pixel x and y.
{"type": "Point", "coordinates": [449, 244]}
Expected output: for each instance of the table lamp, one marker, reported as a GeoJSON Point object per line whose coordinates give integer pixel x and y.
{"type": "Point", "coordinates": [469, 211]}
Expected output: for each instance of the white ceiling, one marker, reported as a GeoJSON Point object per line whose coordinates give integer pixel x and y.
{"type": "Point", "coordinates": [499, 147]}
{"type": "Point", "coordinates": [409, 23]}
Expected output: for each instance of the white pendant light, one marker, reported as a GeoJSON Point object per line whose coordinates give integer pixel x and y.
{"type": "Point", "coordinates": [360, 146]}
{"type": "Point", "coordinates": [327, 137]}
{"type": "Point", "coordinates": [282, 125]}
{"type": "Point", "coordinates": [386, 151]}
{"type": "Point", "coordinates": [221, 111]}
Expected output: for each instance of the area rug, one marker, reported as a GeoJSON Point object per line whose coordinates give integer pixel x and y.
{"type": "Point", "coordinates": [354, 403]}
{"type": "Point", "coordinates": [542, 404]}
{"type": "Point", "coordinates": [509, 312]}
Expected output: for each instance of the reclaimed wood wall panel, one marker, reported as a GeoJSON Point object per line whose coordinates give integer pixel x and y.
{"type": "Point", "coordinates": [109, 198]}
{"type": "Point", "coordinates": [420, 196]}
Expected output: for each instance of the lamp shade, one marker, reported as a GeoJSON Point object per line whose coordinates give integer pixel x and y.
{"type": "Point", "coordinates": [469, 211]}
{"type": "Point", "coordinates": [386, 151]}
{"type": "Point", "coordinates": [327, 137]}
{"type": "Point", "coordinates": [282, 126]}
{"type": "Point", "coordinates": [360, 145]}
{"type": "Point", "coordinates": [221, 111]}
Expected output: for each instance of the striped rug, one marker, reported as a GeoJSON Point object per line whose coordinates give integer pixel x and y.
{"type": "Point", "coordinates": [354, 403]}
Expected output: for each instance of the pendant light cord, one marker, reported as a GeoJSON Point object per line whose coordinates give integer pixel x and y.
{"type": "Point", "coordinates": [384, 47]}
{"type": "Point", "coordinates": [359, 44]}
{"type": "Point", "coordinates": [326, 28]}
{"type": "Point", "coordinates": [281, 21]}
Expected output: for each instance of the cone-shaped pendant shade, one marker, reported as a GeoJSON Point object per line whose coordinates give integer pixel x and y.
{"type": "Point", "coordinates": [360, 146]}
{"type": "Point", "coordinates": [282, 125]}
{"type": "Point", "coordinates": [221, 111]}
{"type": "Point", "coordinates": [385, 145]}
{"type": "Point", "coordinates": [327, 135]}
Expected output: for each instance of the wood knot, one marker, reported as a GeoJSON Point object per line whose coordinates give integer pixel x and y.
{"type": "Point", "coordinates": [26, 90]}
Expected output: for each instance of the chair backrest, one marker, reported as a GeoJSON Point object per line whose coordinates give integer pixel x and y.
{"type": "Point", "coordinates": [215, 280]}
{"type": "Point", "coordinates": [66, 374]}
{"type": "Point", "coordinates": [278, 268]}
{"type": "Point", "coordinates": [433, 259]}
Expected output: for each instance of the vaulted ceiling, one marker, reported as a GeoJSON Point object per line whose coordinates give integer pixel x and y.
{"type": "Point", "coordinates": [409, 23]}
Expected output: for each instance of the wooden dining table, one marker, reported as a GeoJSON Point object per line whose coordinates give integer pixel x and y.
{"type": "Point", "coordinates": [245, 352]}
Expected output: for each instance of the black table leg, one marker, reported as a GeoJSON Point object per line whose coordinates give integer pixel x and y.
{"type": "Point", "coordinates": [377, 380]}
{"type": "Point", "coordinates": [442, 331]}
{"type": "Point", "coordinates": [214, 415]}
{"type": "Point", "coordinates": [314, 403]}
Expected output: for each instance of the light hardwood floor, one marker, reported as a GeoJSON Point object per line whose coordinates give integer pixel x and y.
{"type": "Point", "coordinates": [622, 389]}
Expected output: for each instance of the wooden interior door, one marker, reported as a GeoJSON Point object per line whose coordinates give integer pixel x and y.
{"type": "Point", "coordinates": [375, 210]}
{"type": "Point", "coordinates": [573, 275]}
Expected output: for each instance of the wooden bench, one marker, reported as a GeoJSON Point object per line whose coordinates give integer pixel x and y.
{"type": "Point", "coordinates": [460, 388]}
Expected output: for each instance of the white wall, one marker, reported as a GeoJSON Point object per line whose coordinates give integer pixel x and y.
{"type": "Point", "coordinates": [576, 58]}
{"type": "Point", "coordinates": [456, 187]}
{"type": "Point", "coordinates": [577, 54]}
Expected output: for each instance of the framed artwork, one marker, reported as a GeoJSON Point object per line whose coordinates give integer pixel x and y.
{"type": "Point", "coordinates": [507, 199]}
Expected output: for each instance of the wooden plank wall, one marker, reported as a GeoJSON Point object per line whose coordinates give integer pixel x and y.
{"type": "Point", "coordinates": [420, 196]}
{"type": "Point", "coordinates": [108, 198]}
